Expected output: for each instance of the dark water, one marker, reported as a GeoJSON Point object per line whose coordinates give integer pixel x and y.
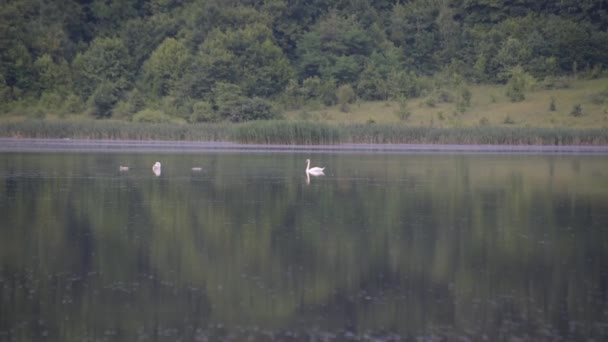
{"type": "Point", "coordinates": [384, 247]}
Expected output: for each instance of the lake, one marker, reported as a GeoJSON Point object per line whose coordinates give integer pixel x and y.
{"type": "Point", "coordinates": [386, 246]}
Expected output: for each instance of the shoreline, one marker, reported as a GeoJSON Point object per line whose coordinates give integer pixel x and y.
{"type": "Point", "coordinates": [47, 145]}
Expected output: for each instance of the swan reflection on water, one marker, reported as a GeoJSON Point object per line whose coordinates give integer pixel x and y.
{"type": "Point", "coordinates": [156, 169]}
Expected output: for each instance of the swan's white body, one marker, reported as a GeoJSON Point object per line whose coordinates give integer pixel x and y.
{"type": "Point", "coordinates": [123, 168]}
{"type": "Point", "coordinates": [156, 168]}
{"type": "Point", "coordinates": [313, 170]}
{"type": "Point", "coordinates": [197, 169]}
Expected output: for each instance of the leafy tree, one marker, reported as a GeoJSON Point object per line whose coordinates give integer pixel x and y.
{"type": "Point", "coordinates": [262, 68]}
{"type": "Point", "coordinates": [511, 54]}
{"type": "Point", "coordinates": [18, 74]}
{"type": "Point", "coordinates": [519, 82]}
{"type": "Point", "coordinates": [335, 48]}
{"type": "Point", "coordinates": [103, 100]}
{"type": "Point", "coordinates": [165, 67]}
{"type": "Point", "coordinates": [106, 60]}
{"type": "Point", "coordinates": [202, 111]}
{"type": "Point", "coordinates": [52, 76]}
{"type": "Point", "coordinates": [345, 95]}
{"type": "Point", "coordinates": [142, 36]}
{"type": "Point", "coordinates": [413, 28]}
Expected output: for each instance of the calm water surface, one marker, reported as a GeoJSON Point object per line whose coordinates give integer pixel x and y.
{"type": "Point", "coordinates": [384, 247]}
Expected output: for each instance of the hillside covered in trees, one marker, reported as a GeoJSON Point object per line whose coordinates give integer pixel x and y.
{"type": "Point", "coordinates": [239, 60]}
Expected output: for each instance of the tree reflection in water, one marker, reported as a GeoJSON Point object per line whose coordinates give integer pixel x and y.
{"type": "Point", "coordinates": [402, 246]}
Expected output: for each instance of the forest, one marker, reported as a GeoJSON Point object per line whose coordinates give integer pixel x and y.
{"type": "Point", "coordinates": [239, 60]}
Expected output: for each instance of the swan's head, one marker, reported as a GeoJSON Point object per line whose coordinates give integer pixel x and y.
{"type": "Point", "coordinates": [308, 160]}
{"type": "Point", "coordinates": [157, 164]}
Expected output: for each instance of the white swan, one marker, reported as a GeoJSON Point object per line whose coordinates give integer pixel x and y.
{"type": "Point", "coordinates": [123, 168]}
{"type": "Point", "coordinates": [156, 168]}
{"type": "Point", "coordinates": [197, 169]}
{"type": "Point", "coordinates": [315, 171]}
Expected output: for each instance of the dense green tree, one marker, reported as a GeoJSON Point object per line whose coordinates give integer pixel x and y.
{"type": "Point", "coordinates": [142, 36]}
{"type": "Point", "coordinates": [295, 50]}
{"type": "Point", "coordinates": [106, 60]}
{"type": "Point", "coordinates": [52, 76]}
{"type": "Point", "coordinates": [414, 29]}
{"type": "Point", "coordinates": [247, 57]}
{"type": "Point", "coordinates": [165, 67]}
{"type": "Point", "coordinates": [335, 48]}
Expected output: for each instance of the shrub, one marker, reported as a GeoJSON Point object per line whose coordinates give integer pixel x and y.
{"type": "Point", "coordinates": [73, 105]}
{"type": "Point", "coordinates": [322, 90]}
{"type": "Point", "coordinates": [102, 100]}
{"type": "Point", "coordinates": [202, 111]}
{"type": "Point", "coordinates": [464, 99]}
{"type": "Point", "coordinates": [403, 113]}
{"type": "Point", "coordinates": [246, 109]}
{"type": "Point", "coordinates": [508, 120]}
{"type": "Point", "coordinates": [519, 82]}
{"type": "Point", "coordinates": [151, 116]}
{"type": "Point", "coordinates": [577, 110]}
{"type": "Point", "coordinates": [552, 107]}
{"type": "Point", "coordinates": [345, 95]}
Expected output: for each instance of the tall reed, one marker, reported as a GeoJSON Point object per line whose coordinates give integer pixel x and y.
{"type": "Point", "coordinates": [304, 133]}
{"type": "Point", "coordinates": [115, 130]}
{"type": "Point", "coordinates": [287, 133]}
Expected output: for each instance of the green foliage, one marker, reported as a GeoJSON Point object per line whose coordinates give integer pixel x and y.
{"type": "Point", "coordinates": [129, 104]}
{"type": "Point", "coordinates": [106, 61]}
{"type": "Point", "coordinates": [103, 99]}
{"type": "Point", "coordinates": [256, 108]}
{"type": "Point", "coordinates": [298, 52]}
{"type": "Point", "coordinates": [464, 99]}
{"type": "Point", "coordinates": [345, 95]}
{"type": "Point", "coordinates": [232, 106]}
{"type": "Point", "coordinates": [151, 116]}
{"type": "Point", "coordinates": [202, 111]}
{"type": "Point", "coordinates": [335, 48]}
{"type": "Point", "coordinates": [508, 120]}
{"type": "Point", "coordinates": [577, 110]}
{"type": "Point", "coordinates": [519, 82]}
{"type": "Point", "coordinates": [52, 76]}
{"type": "Point", "coordinates": [403, 113]}
{"type": "Point", "coordinates": [322, 90]}
{"type": "Point", "coordinates": [165, 67]}
{"type": "Point", "coordinates": [263, 70]}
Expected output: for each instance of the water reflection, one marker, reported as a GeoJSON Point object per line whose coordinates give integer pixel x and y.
{"type": "Point", "coordinates": [308, 175]}
{"type": "Point", "coordinates": [398, 247]}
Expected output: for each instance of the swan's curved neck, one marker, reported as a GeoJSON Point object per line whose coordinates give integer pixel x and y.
{"type": "Point", "coordinates": [307, 165]}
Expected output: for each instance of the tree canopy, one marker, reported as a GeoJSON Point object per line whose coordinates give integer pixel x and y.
{"type": "Point", "coordinates": [109, 54]}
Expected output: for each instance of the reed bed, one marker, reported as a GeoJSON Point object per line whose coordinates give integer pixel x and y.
{"type": "Point", "coordinates": [115, 130]}
{"type": "Point", "coordinates": [287, 133]}
{"type": "Point", "coordinates": [397, 134]}
{"type": "Point", "coordinates": [303, 133]}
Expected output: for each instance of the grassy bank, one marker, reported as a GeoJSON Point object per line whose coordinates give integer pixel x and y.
{"type": "Point", "coordinates": [305, 133]}
{"type": "Point", "coordinates": [564, 111]}
{"type": "Point", "coordinates": [547, 105]}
